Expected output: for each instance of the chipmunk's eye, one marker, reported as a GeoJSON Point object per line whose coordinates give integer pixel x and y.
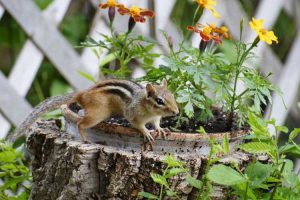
{"type": "Point", "coordinates": [159, 101]}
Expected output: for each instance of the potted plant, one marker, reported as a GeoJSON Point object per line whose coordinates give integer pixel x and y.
{"type": "Point", "coordinates": [191, 72]}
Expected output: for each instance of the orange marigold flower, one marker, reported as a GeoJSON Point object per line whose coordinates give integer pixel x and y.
{"type": "Point", "coordinates": [110, 4]}
{"type": "Point", "coordinates": [222, 31]}
{"type": "Point", "coordinates": [138, 14]}
{"type": "Point", "coordinates": [210, 32]}
{"type": "Point", "coordinates": [209, 5]}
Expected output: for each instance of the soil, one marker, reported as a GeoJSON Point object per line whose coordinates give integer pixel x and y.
{"type": "Point", "coordinates": [219, 123]}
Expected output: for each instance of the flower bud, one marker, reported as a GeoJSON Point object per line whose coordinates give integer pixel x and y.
{"type": "Point", "coordinates": [111, 14]}
{"type": "Point", "coordinates": [202, 45]}
{"type": "Point", "coordinates": [170, 42]}
{"type": "Point", "coordinates": [131, 24]}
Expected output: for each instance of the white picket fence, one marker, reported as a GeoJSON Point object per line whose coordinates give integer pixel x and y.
{"type": "Point", "coordinates": [45, 40]}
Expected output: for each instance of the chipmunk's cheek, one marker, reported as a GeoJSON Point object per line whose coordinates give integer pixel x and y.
{"type": "Point", "coordinates": [168, 113]}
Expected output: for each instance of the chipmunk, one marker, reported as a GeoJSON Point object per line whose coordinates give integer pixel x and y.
{"type": "Point", "coordinates": [135, 103]}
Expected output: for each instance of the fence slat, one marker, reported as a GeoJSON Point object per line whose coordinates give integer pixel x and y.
{"type": "Point", "coordinates": [25, 68]}
{"type": "Point", "coordinates": [12, 105]}
{"type": "Point", "coordinates": [1, 11]}
{"type": "Point", "coordinates": [88, 57]}
{"type": "Point", "coordinates": [288, 83]}
{"type": "Point", "coordinates": [30, 58]}
{"type": "Point", "coordinates": [55, 47]}
{"type": "Point", "coordinates": [56, 11]}
{"type": "Point", "coordinates": [4, 127]}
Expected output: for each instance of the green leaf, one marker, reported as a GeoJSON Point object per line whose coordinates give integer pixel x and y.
{"type": "Point", "coordinates": [289, 179]}
{"type": "Point", "coordinates": [188, 109]}
{"type": "Point", "coordinates": [194, 182]}
{"type": "Point", "coordinates": [174, 171]}
{"type": "Point", "coordinates": [294, 134]}
{"type": "Point", "coordinates": [228, 48]}
{"type": "Point", "coordinates": [256, 147]}
{"type": "Point", "coordinates": [256, 103]}
{"type": "Point", "coordinates": [224, 175]}
{"type": "Point", "coordinates": [170, 193]}
{"type": "Point", "coordinates": [107, 59]}
{"type": "Point", "coordinates": [13, 172]}
{"type": "Point", "coordinates": [159, 179]}
{"type": "Point", "coordinates": [58, 88]}
{"type": "Point", "coordinates": [11, 183]}
{"type": "Point", "coordinates": [172, 162]}
{"type": "Point", "coordinates": [258, 173]}
{"type": "Point", "coordinates": [7, 156]}
{"type": "Point", "coordinates": [241, 190]}
{"type": "Point", "coordinates": [91, 40]}
{"type": "Point", "coordinates": [147, 195]}
{"type": "Point", "coordinates": [22, 196]}
{"type": "Point", "coordinates": [258, 126]}
{"type": "Point", "coordinates": [182, 99]}
{"type": "Point", "coordinates": [201, 130]}
{"type": "Point", "coordinates": [53, 114]}
{"type": "Point", "coordinates": [290, 149]}
{"type": "Point", "coordinates": [267, 93]}
{"type": "Point", "coordinates": [282, 129]}
{"type": "Point", "coordinates": [87, 76]}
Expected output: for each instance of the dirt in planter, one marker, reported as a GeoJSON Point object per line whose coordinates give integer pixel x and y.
{"type": "Point", "coordinates": [219, 123]}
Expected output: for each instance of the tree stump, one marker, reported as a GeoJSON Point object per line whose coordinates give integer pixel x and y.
{"type": "Point", "coordinates": [65, 169]}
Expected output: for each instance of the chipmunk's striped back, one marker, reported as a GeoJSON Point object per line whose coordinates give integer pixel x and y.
{"type": "Point", "coordinates": [125, 89]}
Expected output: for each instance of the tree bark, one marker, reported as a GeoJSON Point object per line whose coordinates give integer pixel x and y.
{"type": "Point", "coordinates": [65, 169]}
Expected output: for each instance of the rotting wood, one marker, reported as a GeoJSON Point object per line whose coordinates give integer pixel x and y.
{"type": "Point", "coordinates": [67, 169]}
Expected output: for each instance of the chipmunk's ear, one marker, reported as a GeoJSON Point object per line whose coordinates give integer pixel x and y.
{"type": "Point", "coordinates": [164, 83]}
{"type": "Point", "coordinates": [150, 90]}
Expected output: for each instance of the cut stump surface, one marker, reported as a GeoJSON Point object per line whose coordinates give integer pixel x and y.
{"type": "Point", "coordinates": [65, 169]}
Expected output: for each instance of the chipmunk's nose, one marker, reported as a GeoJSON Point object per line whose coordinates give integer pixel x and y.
{"type": "Point", "coordinates": [176, 111]}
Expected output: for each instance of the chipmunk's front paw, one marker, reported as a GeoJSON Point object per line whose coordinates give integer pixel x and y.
{"type": "Point", "coordinates": [162, 132]}
{"type": "Point", "coordinates": [149, 137]}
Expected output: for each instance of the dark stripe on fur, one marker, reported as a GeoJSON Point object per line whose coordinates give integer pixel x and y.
{"type": "Point", "coordinates": [117, 92]}
{"type": "Point", "coordinates": [141, 87]}
{"type": "Point", "coordinates": [118, 84]}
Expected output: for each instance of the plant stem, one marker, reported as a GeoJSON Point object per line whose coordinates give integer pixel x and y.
{"type": "Point", "coordinates": [195, 15]}
{"type": "Point", "coordinates": [234, 90]}
{"type": "Point", "coordinates": [238, 71]}
{"type": "Point", "coordinates": [209, 163]}
{"type": "Point", "coordinates": [276, 184]}
{"type": "Point", "coordinates": [161, 192]}
{"type": "Point", "coordinates": [122, 57]}
{"type": "Point", "coordinates": [245, 196]}
{"type": "Point", "coordinates": [179, 120]}
{"type": "Point", "coordinates": [162, 186]}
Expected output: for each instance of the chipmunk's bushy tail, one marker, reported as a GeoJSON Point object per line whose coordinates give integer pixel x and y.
{"type": "Point", "coordinates": [47, 105]}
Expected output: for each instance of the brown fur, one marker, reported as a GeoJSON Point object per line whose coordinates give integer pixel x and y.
{"type": "Point", "coordinates": [137, 104]}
